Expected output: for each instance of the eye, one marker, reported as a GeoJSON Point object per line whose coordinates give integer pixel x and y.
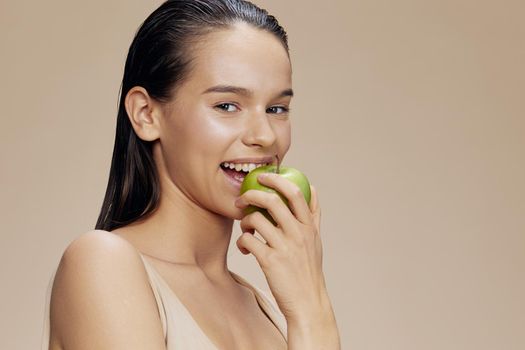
{"type": "Point", "coordinates": [227, 107]}
{"type": "Point", "coordinates": [278, 110]}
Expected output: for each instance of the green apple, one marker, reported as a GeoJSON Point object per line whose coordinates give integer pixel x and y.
{"type": "Point", "coordinates": [250, 183]}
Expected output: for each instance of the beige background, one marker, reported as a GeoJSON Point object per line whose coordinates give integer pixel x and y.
{"type": "Point", "coordinates": [409, 118]}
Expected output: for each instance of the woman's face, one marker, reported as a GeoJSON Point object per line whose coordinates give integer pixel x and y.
{"type": "Point", "coordinates": [233, 107]}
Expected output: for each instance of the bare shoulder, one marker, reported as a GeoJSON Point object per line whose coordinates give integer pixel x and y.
{"type": "Point", "coordinates": [99, 244]}
{"type": "Point", "coordinates": [101, 298]}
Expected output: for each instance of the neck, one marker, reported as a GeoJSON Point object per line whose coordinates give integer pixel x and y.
{"type": "Point", "coordinates": [182, 232]}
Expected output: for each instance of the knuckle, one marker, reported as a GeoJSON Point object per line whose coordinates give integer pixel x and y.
{"type": "Point", "coordinates": [264, 260]}
{"type": "Point", "coordinates": [297, 193]}
{"type": "Point", "coordinates": [275, 199]}
{"type": "Point", "coordinates": [256, 216]}
{"type": "Point", "coordinates": [240, 240]}
{"type": "Point", "coordinates": [248, 219]}
{"type": "Point", "coordinates": [272, 258]}
{"type": "Point", "coordinates": [246, 224]}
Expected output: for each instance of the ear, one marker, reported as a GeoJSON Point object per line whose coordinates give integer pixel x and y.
{"type": "Point", "coordinates": [143, 112]}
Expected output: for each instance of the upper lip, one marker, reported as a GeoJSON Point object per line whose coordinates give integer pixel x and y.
{"type": "Point", "coordinates": [254, 160]}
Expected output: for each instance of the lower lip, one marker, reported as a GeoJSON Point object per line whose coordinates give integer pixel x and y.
{"type": "Point", "coordinates": [233, 181]}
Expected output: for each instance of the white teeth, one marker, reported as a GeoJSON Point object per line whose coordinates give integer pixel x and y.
{"type": "Point", "coordinates": [246, 167]}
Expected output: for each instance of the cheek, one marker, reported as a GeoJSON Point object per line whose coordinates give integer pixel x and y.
{"type": "Point", "coordinates": [214, 135]}
{"type": "Point", "coordinates": [198, 133]}
{"type": "Point", "coordinates": [284, 136]}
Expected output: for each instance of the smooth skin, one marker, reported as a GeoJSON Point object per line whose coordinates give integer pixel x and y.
{"type": "Point", "coordinates": [101, 297]}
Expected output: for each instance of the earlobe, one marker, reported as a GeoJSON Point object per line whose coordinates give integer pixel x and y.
{"type": "Point", "coordinates": [143, 113]}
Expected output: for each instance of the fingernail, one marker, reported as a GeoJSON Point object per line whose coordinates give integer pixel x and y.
{"type": "Point", "coordinates": [262, 176]}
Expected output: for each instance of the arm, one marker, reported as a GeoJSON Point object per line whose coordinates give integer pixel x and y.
{"type": "Point", "coordinates": [315, 329]}
{"type": "Point", "coordinates": [101, 298]}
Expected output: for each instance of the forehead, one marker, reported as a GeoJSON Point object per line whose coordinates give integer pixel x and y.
{"type": "Point", "coordinates": [241, 56]}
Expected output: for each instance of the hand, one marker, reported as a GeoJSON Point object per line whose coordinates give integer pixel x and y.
{"type": "Point", "coordinates": [291, 258]}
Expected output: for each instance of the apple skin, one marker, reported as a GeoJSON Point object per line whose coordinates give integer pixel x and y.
{"type": "Point", "coordinates": [250, 183]}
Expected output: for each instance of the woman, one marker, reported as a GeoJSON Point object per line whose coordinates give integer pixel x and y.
{"type": "Point", "coordinates": [207, 84]}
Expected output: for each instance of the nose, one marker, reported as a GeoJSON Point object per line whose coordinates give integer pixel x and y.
{"type": "Point", "coordinates": [259, 130]}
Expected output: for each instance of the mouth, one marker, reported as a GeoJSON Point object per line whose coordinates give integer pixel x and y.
{"type": "Point", "coordinates": [237, 171]}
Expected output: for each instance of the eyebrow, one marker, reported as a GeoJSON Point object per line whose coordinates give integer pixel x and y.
{"type": "Point", "coordinates": [242, 91]}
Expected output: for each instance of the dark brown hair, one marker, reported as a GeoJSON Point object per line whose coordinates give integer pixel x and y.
{"type": "Point", "coordinates": [159, 60]}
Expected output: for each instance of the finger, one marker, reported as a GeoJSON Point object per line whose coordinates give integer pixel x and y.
{"type": "Point", "coordinates": [266, 229]}
{"type": "Point", "coordinates": [291, 192]}
{"type": "Point", "coordinates": [248, 243]}
{"type": "Point", "coordinates": [315, 208]}
{"type": "Point", "coordinates": [271, 202]}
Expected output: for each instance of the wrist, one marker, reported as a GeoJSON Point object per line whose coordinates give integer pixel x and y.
{"type": "Point", "coordinates": [319, 322]}
{"type": "Point", "coordinates": [314, 334]}
{"type": "Point", "coordinates": [314, 311]}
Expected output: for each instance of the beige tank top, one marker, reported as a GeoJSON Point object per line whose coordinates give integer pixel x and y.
{"type": "Point", "coordinates": [181, 331]}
